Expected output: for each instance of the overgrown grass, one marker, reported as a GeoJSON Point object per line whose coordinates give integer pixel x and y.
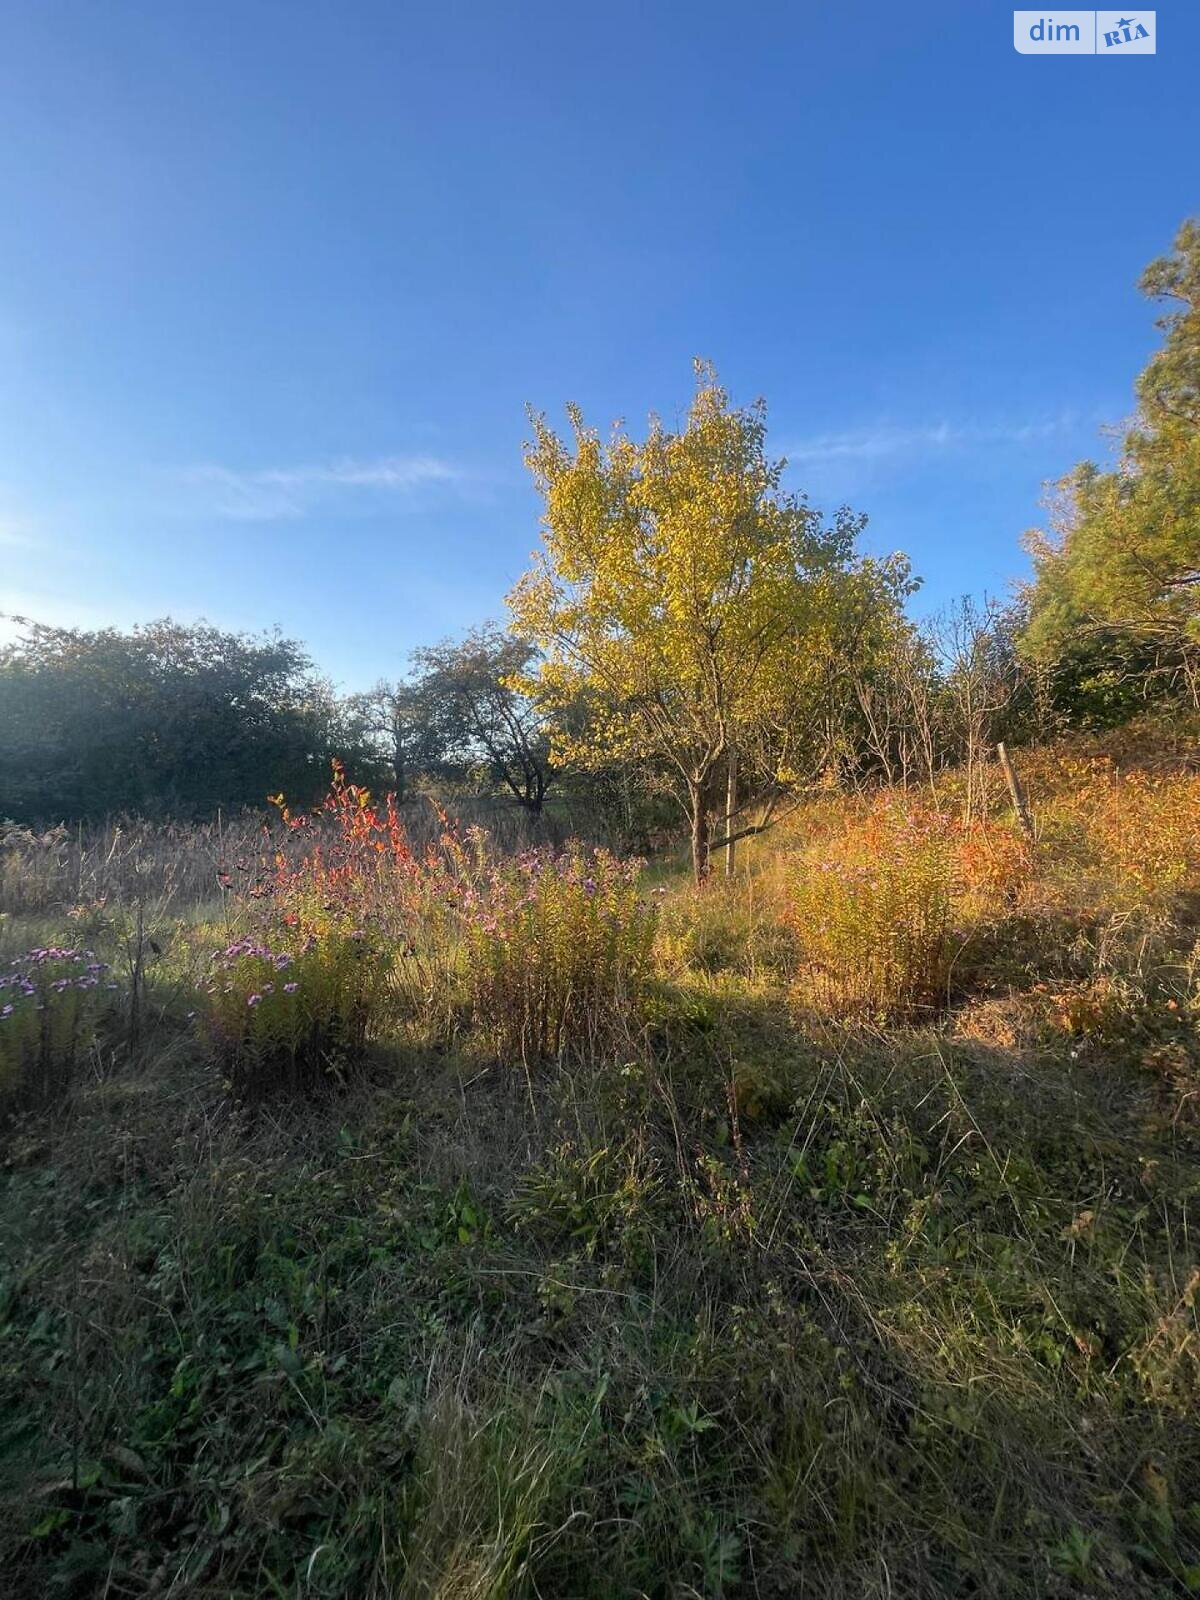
{"type": "Point", "coordinates": [557, 953]}
{"type": "Point", "coordinates": [872, 912]}
{"type": "Point", "coordinates": [758, 1293]}
{"type": "Point", "coordinates": [56, 869]}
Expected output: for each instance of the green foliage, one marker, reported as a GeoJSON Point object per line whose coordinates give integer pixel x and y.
{"type": "Point", "coordinates": [486, 1485]}
{"type": "Point", "coordinates": [1126, 555]}
{"type": "Point", "coordinates": [935, 1316]}
{"type": "Point", "coordinates": [590, 1199]}
{"type": "Point", "coordinates": [399, 719]}
{"type": "Point", "coordinates": [482, 722]}
{"type": "Point", "coordinates": [166, 718]}
{"type": "Point", "coordinates": [1103, 677]}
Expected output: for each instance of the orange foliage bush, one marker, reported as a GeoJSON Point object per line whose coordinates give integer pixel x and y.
{"type": "Point", "coordinates": [1139, 829]}
{"type": "Point", "coordinates": [876, 903]}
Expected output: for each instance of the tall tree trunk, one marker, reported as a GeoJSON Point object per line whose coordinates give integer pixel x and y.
{"type": "Point", "coordinates": [701, 832]}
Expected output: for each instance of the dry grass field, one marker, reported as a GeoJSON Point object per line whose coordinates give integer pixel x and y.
{"type": "Point", "coordinates": [386, 1215]}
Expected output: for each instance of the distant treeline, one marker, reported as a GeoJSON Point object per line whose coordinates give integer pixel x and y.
{"type": "Point", "coordinates": [184, 720]}
{"type": "Point", "coordinates": [169, 720]}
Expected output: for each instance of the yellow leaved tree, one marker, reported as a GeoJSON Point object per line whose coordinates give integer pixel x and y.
{"type": "Point", "coordinates": [688, 600]}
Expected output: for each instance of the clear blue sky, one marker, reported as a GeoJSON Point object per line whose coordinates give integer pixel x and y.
{"type": "Point", "coordinates": [277, 281]}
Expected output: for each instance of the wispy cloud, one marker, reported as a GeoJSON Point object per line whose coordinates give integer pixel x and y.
{"type": "Point", "coordinates": [269, 494]}
{"type": "Point", "coordinates": [888, 439]}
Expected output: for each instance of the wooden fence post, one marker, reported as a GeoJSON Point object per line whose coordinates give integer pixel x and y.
{"type": "Point", "coordinates": [730, 811]}
{"type": "Point", "coordinates": [1020, 804]}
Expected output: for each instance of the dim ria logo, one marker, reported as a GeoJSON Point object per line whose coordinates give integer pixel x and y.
{"type": "Point", "coordinates": [1084, 33]}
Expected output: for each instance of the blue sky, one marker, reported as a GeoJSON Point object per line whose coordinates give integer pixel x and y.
{"type": "Point", "coordinates": [278, 280]}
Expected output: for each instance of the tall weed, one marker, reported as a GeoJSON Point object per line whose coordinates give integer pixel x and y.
{"type": "Point", "coordinates": [876, 908]}
{"type": "Point", "coordinates": [51, 1002]}
{"type": "Point", "coordinates": [290, 1020]}
{"type": "Point", "coordinates": [557, 951]}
